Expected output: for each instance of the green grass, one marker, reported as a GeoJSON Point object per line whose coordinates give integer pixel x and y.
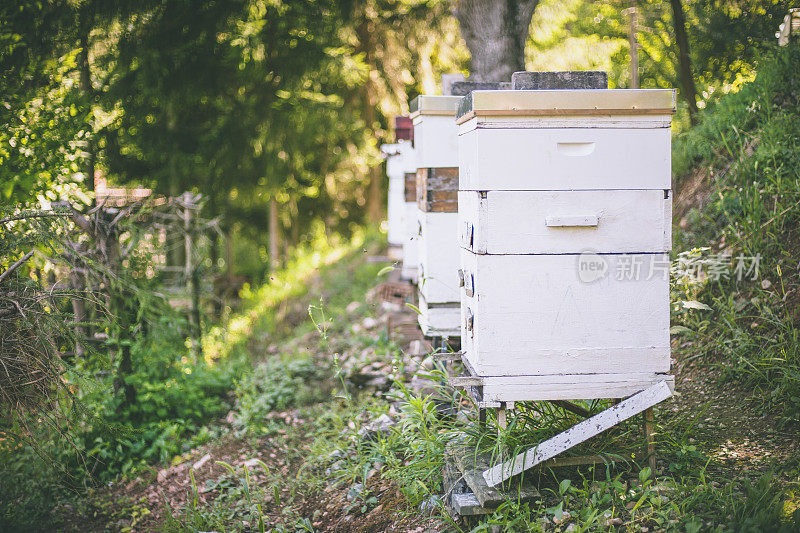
{"type": "Point", "coordinates": [747, 147]}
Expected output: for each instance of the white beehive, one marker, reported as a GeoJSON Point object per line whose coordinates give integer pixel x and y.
{"type": "Point", "coordinates": [395, 169]}
{"type": "Point", "coordinates": [565, 229]}
{"type": "Point", "coordinates": [435, 142]}
{"type": "Point", "coordinates": [410, 226]}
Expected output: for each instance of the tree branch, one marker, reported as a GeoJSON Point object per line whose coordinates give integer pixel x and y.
{"type": "Point", "coordinates": [16, 265]}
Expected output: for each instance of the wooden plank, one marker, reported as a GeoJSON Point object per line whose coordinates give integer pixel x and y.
{"type": "Point", "coordinates": [471, 467]}
{"type": "Point", "coordinates": [568, 386]}
{"type": "Point", "coordinates": [445, 357]}
{"type": "Point", "coordinates": [464, 381]}
{"type": "Point", "coordinates": [452, 482]}
{"type": "Point", "coordinates": [577, 434]}
{"type": "Point", "coordinates": [578, 102]}
{"type": "Point", "coordinates": [437, 189]}
{"type": "Point", "coordinates": [466, 504]}
{"type": "Point", "coordinates": [410, 187]}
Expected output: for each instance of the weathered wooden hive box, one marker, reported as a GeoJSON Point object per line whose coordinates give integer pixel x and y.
{"type": "Point", "coordinates": [395, 170]}
{"type": "Point", "coordinates": [436, 145]}
{"type": "Point", "coordinates": [565, 229]}
{"type": "Point", "coordinates": [408, 164]}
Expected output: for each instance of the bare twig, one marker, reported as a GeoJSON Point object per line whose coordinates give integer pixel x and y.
{"type": "Point", "coordinates": [15, 266]}
{"type": "Point", "coordinates": [27, 215]}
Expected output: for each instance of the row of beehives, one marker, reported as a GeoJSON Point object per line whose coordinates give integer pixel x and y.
{"type": "Point", "coordinates": [536, 222]}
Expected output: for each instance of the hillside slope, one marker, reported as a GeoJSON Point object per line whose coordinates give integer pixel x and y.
{"type": "Point", "coordinates": [738, 216]}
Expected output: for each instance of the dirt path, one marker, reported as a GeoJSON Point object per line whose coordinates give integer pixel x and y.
{"type": "Point", "coordinates": [153, 498]}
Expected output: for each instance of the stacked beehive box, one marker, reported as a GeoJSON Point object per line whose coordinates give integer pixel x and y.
{"type": "Point", "coordinates": [408, 164]}
{"type": "Point", "coordinates": [436, 145]}
{"type": "Point", "coordinates": [395, 170]}
{"type": "Point", "coordinates": [397, 161]}
{"type": "Point", "coordinates": [564, 215]}
{"type": "Point", "coordinates": [435, 134]}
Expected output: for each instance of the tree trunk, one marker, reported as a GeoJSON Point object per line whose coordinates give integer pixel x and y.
{"type": "Point", "coordinates": [88, 91]}
{"type": "Point", "coordinates": [687, 78]}
{"type": "Point", "coordinates": [122, 314]}
{"type": "Point", "coordinates": [213, 249]}
{"type": "Point", "coordinates": [176, 245]}
{"type": "Point", "coordinates": [122, 307]}
{"type": "Point", "coordinates": [365, 34]}
{"type": "Point", "coordinates": [228, 270]}
{"type": "Point", "coordinates": [274, 235]}
{"type": "Point", "coordinates": [495, 32]}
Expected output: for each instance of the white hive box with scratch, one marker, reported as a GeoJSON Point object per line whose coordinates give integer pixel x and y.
{"type": "Point", "coordinates": [436, 146]}
{"type": "Point", "coordinates": [565, 229]}
{"type": "Point", "coordinates": [408, 164]}
{"type": "Point", "coordinates": [395, 169]}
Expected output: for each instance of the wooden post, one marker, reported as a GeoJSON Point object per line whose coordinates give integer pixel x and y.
{"type": "Point", "coordinates": [649, 437]}
{"type": "Point", "coordinates": [228, 270]}
{"type": "Point", "coordinates": [192, 275]}
{"type": "Point", "coordinates": [634, 44]}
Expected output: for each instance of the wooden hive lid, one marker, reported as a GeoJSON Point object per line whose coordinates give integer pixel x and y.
{"type": "Point", "coordinates": [574, 102]}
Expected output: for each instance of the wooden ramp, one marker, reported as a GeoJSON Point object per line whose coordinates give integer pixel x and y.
{"type": "Point", "coordinates": [578, 433]}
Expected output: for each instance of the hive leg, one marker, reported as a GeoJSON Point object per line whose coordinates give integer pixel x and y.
{"type": "Point", "coordinates": [649, 437]}
{"type": "Point", "coordinates": [501, 417]}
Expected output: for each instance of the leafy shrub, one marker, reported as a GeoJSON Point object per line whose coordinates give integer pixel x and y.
{"type": "Point", "coordinates": [176, 395]}
{"type": "Point", "coordinates": [273, 386]}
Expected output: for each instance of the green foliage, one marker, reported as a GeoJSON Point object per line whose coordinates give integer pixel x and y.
{"type": "Point", "coordinates": [748, 144]}
{"type": "Point", "coordinates": [274, 386]}
{"type": "Point", "coordinates": [42, 113]}
{"type": "Point", "coordinates": [726, 40]}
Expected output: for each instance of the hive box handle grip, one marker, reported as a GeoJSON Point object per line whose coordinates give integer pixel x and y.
{"type": "Point", "coordinates": [576, 149]}
{"type": "Point", "coordinates": [572, 221]}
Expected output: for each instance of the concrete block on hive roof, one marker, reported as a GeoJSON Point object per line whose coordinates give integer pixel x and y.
{"type": "Point", "coordinates": [570, 79]}
{"type": "Point", "coordinates": [463, 88]}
